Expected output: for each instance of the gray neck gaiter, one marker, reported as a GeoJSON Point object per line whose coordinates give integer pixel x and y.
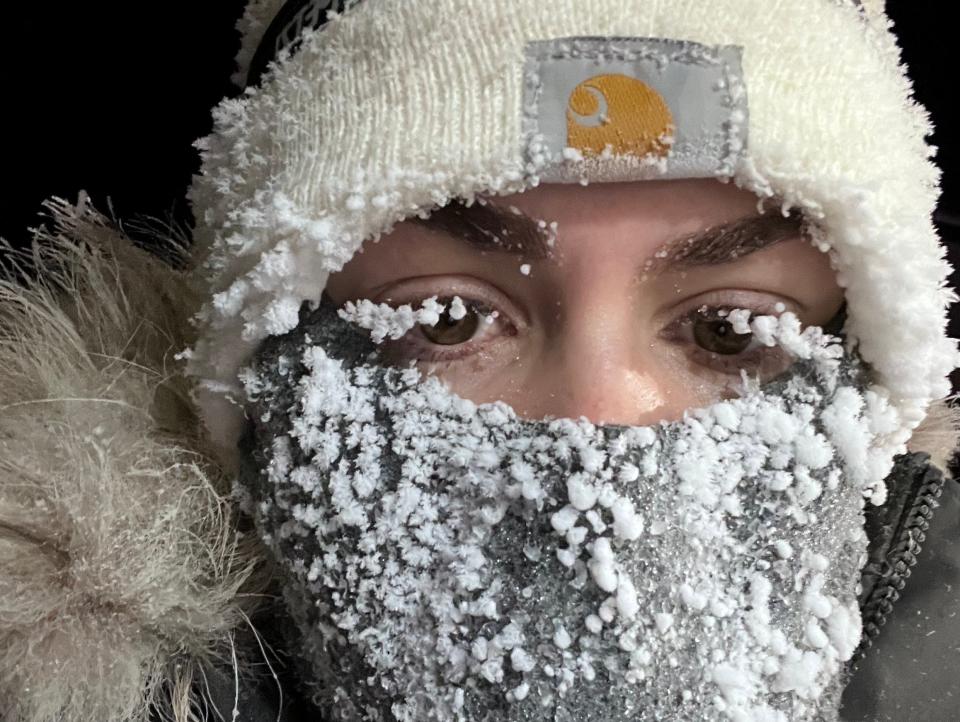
{"type": "Point", "coordinates": [444, 560]}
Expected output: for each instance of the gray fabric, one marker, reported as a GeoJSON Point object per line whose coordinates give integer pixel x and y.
{"type": "Point", "coordinates": [907, 674]}
{"type": "Point", "coordinates": [912, 672]}
{"type": "Point", "coordinates": [409, 534]}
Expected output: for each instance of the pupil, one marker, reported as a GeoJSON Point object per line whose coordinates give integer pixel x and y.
{"type": "Point", "coordinates": [718, 337]}
{"type": "Point", "coordinates": [450, 331]}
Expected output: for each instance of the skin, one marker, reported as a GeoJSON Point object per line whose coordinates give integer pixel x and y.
{"type": "Point", "coordinates": [597, 328]}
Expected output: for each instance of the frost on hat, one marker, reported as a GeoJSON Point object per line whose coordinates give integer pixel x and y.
{"type": "Point", "coordinates": [291, 183]}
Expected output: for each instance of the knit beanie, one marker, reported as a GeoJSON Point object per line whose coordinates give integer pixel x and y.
{"type": "Point", "coordinates": [360, 115]}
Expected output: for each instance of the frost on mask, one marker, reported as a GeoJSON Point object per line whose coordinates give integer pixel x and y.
{"type": "Point", "coordinates": [444, 560]}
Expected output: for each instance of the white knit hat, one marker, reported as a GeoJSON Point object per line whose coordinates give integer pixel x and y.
{"type": "Point", "coordinates": [397, 106]}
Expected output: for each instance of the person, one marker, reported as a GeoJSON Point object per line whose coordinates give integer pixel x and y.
{"type": "Point", "coordinates": [574, 360]}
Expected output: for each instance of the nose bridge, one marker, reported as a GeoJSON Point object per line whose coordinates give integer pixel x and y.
{"type": "Point", "coordinates": [603, 365]}
{"type": "Point", "coordinates": [616, 396]}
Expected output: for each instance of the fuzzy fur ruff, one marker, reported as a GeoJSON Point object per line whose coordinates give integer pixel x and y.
{"type": "Point", "coordinates": [121, 573]}
{"type": "Point", "coordinates": [939, 433]}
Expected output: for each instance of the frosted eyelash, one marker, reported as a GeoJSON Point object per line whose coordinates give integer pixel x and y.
{"type": "Point", "coordinates": [385, 321]}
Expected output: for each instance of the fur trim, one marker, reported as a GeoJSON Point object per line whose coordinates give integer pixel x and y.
{"type": "Point", "coordinates": [939, 433]}
{"type": "Point", "coordinates": [121, 570]}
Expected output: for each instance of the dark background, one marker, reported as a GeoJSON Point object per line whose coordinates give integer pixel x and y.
{"type": "Point", "coordinates": [109, 97]}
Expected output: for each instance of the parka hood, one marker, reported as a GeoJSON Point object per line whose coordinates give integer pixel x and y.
{"type": "Point", "coordinates": [123, 573]}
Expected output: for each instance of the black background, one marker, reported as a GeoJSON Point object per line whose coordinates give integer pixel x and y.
{"type": "Point", "coordinates": [109, 98]}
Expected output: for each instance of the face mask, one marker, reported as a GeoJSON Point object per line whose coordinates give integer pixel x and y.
{"type": "Point", "coordinates": [444, 560]}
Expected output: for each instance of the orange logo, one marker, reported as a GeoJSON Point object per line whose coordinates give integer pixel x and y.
{"type": "Point", "coordinates": [621, 112]}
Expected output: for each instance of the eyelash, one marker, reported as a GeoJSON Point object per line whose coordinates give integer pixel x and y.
{"type": "Point", "coordinates": [414, 347]}
{"type": "Point", "coordinates": [681, 330]}
{"type": "Point", "coordinates": [429, 352]}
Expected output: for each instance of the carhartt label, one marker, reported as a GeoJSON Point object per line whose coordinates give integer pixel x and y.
{"type": "Point", "coordinates": [629, 108]}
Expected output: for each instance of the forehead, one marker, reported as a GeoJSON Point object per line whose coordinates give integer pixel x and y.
{"type": "Point", "coordinates": [632, 221]}
{"type": "Point", "coordinates": [689, 202]}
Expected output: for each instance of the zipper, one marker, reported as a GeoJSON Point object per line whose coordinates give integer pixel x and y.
{"type": "Point", "coordinates": [894, 568]}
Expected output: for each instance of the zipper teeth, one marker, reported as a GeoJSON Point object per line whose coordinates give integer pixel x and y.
{"type": "Point", "coordinates": [899, 559]}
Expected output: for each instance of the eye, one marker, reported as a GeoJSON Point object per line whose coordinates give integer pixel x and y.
{"type": "Point", "coordinates": [453, 328]}
{"type": "Point", "coordinates": [465, 327]}
{"type": "Point", "coordinates": [716, 335]}
{"type": "Point", "coordinates": [709, 337]}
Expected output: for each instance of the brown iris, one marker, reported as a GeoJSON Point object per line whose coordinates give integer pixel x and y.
{"type": "Point", "coordinates": [450, 331]}
{"type": "Point", "coordinates": [717, 336]}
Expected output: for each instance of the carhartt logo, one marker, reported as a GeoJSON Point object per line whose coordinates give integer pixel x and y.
{"type": "Point", "coordinates": [618, 114]}
{"type": "Point", "coordinates": [632, 108]}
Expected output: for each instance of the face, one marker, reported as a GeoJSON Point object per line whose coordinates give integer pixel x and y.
{"type": "Point", "coordinates": [605, 301]}
{"type": "Point", "coordinates": [554, 569]}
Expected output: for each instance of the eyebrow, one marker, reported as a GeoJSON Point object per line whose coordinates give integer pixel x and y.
{"type": "Point", "coordinates": [491, 227]}
{"type": "Point", "coordinates": [726, 242]}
